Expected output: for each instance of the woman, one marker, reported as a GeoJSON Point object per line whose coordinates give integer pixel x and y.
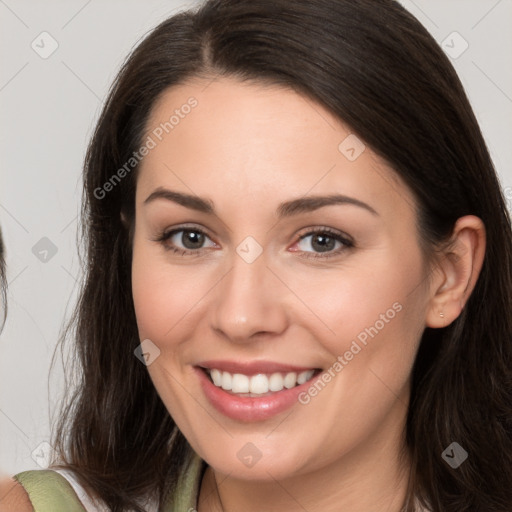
{"type": "Point", "coordinates": [298, 282]}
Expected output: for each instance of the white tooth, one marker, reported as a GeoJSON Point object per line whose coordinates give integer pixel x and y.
{"type": "Point", "coordinates": [216, 376]}
{"type": "Point", "coordinates": [276, 382]}
{"type": "Point", "coordinates": [290, 380]}
{"type": "Point", "coordinates": [258, 384]}
{"type": "Point", "coordinates": [227, 381]}
{"type": "Point", "coordinates": [240, 383]}
{"type": "Point", "coordinates": [304, 376]}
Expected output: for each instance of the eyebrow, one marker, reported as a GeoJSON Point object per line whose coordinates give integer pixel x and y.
{"type": "Point", "coordinates": [286, 209]}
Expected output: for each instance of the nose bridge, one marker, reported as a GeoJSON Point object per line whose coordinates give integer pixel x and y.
{"type": "Point", "coordinates": [248, 298]}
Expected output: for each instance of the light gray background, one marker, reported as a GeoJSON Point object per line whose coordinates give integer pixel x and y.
{"type": "Point", "coordinates": [49, 107]}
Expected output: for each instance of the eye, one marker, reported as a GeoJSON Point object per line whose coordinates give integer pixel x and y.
{"type": "Point", "coordinates": [189, 241]}
{"type": "Point", "coordinates": [184, 241]}
{"type": "Point", "coordinates": [324, 242]}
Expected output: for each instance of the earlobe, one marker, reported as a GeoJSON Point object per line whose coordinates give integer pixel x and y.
{"type": "Point", "coordinates": [459, 267]}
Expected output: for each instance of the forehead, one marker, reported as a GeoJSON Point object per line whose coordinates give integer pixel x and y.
{"type": "Point", "coordinates": [256, 140]}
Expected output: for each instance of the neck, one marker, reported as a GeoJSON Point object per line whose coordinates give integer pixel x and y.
{"type": "Point", "coordinates": [370, 477]}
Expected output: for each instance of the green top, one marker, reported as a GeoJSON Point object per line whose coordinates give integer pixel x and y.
{"type": "Point", "coordinates": [49, 491]}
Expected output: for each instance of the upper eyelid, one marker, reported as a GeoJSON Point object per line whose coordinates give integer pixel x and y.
{"type": "Point", "coordinates": [321, 229]}
{"type": "Point", "coordinates": [307, 231]}
{"type": "Point", "coordinates": [168, 232]}
{"type": "Point", "coordinates": [304, 231]}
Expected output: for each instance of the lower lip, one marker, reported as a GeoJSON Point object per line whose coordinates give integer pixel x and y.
{"type": "Point", "coordinates": [249, 409]}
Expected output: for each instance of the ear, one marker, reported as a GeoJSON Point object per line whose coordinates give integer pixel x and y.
{"type": "Point", "coordinates": [457, 271]}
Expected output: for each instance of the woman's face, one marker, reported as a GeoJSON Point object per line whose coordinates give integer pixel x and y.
{"type": "Point", "coordinates": [263, 277]}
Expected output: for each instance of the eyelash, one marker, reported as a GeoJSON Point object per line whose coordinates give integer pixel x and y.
{"type": "Point", "coordinates": [166, 235]}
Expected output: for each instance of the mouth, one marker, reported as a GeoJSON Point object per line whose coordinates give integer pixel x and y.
{"type": "Point", "coordinates": [252, 391]}
{"type": "Point", "coordinates": [258, 384]}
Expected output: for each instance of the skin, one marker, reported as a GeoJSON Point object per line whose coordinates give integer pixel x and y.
{"type": "Point", "coordinates": [13, 497]}
{"type": "Point", "coordinates": [247, 147]}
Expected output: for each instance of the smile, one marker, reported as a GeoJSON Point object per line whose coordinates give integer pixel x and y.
{"type": "Point", "coordinates": [253, 391]}
{"type": "Point", "coordinates": [258, 384]}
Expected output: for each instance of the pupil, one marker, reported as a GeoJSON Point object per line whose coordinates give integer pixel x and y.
{"type": "Point", "coordinates": [191, 239]}
{"type": "Point", "coordinates": [319, 243]}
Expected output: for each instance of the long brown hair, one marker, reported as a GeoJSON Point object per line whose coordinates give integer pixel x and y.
{"type": "Point", "coordinates": [374, 66]}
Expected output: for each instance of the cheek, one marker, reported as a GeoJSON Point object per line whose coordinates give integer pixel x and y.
{"type": "Point", "coordinates": [154, 306]}
{"type": "Point", "coordinates": [164, 296]}
{"type": "Point", "coordinates": [378, 320]}
{"type": "Point", "coordinates": [377, 299]}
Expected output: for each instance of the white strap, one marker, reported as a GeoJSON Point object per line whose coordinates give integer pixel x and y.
{"type": "Point", "coordinates": [97, 505]}
{"type": "Point", "coordinates": [87, 503]}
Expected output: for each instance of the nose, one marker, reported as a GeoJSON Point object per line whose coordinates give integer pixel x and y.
{"type": "Point", "coordinates": [248, 302]}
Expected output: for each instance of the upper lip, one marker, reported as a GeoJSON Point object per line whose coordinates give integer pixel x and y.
{"type": "Point", "coordinates": [253, 367]}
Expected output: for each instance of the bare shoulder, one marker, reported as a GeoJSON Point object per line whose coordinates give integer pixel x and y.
{"type": "Point", "coordinates": [13, 497]}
